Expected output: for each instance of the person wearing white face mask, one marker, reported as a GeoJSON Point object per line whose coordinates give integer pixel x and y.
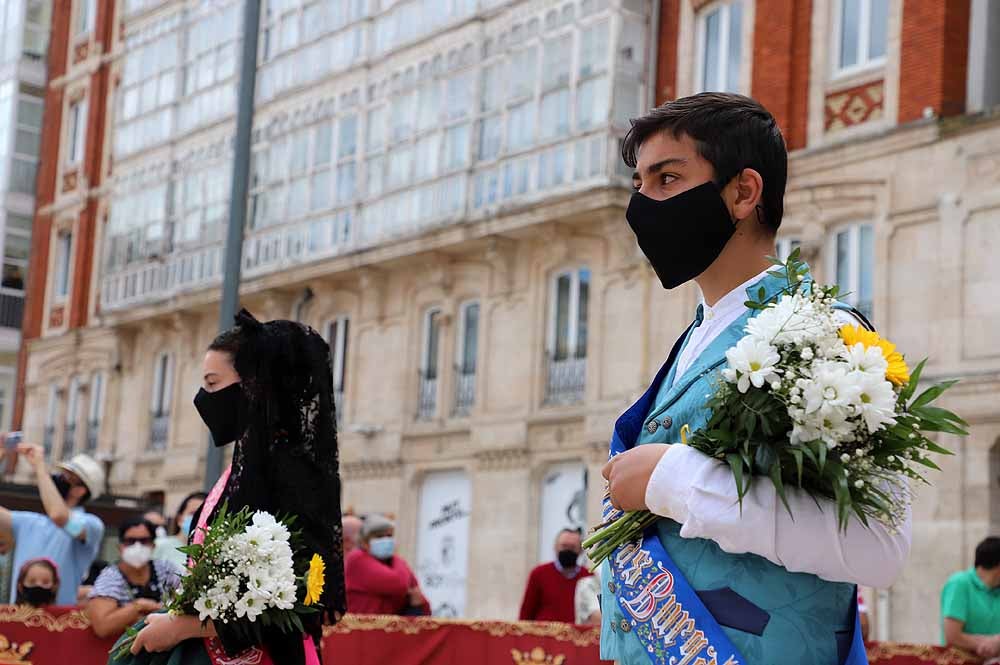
{"type": "Point", "coordinates": [378, 580]}
{"type": "Point", "coordinates": [135, 586]}
{"type": "Point", "coordinates": [166, 547]}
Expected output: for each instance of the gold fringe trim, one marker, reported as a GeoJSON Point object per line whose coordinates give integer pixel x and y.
{"type": "Point", "coordinates": [36, 617]}
{"type": "Point", "coordinates": [880, 651]}
{"type": "Point", "coordinates": [561, 632]}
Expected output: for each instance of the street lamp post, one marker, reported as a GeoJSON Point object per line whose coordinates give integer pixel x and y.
{"type": "Point", "coordinates": [238, 197]}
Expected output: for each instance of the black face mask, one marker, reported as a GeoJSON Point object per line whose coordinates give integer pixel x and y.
{"type": "Point", "coordinates": [567, 558]}
{"type": "Point", "coordinates": [681, 236]}
{"type": "Point", "coordinates": [224, 412]}
{"type": "Point", "coordinates": [61, 484]}
{"type": "Point", "coordinates": [36, 596]}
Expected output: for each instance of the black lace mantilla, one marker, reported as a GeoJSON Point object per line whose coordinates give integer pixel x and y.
{"type": "Point", "coordinates": [286, 462]}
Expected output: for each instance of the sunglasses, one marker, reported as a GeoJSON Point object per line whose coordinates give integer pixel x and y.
{"type": "Point", "coordinates": [132, 541]}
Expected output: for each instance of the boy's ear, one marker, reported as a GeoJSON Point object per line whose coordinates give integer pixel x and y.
{"type": "Point", "coordinates": [748, 190]}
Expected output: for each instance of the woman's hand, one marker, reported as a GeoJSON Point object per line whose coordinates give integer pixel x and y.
{"type": "Point", "coordinates": [165, 631]}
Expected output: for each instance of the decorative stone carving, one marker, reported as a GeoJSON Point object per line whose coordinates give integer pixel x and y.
{"type": "Point", "coordinates": [504, 459]}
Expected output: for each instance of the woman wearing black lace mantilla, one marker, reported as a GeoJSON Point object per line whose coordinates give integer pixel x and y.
{"type": "Point", "coordinates": [269, 388]}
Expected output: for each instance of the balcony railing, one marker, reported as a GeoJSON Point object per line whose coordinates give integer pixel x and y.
{"type": "Point", "coordinates": [69, 440]}
{"type": "Point", "coordinates": [48, 439]}
{"type": "Point", "coordinates": [11, 307]}
{"type": "Point", "coordinates": [465, 391]}
{"type": "Point", "coordinates": [93, 434]}
{"type": "Point", "coordinates": [158, 431]}
{"type": "Point", "coordinates": [427, 398]}
{"type": "Point", "coordinates": [338, 403]}
{"type": "Point", "coordinates": [566, 380]}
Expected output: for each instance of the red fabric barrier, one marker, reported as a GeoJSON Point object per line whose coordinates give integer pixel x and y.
{"type": "Point", "coordinates": [61, 636]}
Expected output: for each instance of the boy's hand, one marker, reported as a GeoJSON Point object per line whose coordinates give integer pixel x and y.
{"type": "Point", "coordinates": [628, 475]}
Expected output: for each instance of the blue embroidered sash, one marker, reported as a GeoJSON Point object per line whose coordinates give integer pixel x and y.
{"type": "Point", "coordinates": [660, 606]}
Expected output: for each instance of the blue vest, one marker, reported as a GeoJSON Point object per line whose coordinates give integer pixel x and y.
{"type": "Point", "coordinates": [772, 616]}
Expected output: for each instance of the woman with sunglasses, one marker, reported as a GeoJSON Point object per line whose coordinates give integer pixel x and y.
{"type": "Point", "coordinates": [135, 586]}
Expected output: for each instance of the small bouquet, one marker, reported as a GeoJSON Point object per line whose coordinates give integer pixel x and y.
{"type": "Point", "coordinates": [244, 569]}
{"type": "Point", "coordinates": [806, 401]}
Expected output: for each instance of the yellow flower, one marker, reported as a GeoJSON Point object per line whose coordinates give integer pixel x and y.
{"type": "Point", "coordinates": [898, 373]}
{"type": "Point", "coordinates": [315, 579]}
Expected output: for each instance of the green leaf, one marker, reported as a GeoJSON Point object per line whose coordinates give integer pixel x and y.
{"type": "Point", "coordinates": [935, 448]}
{"type": "Point", "coordinates": [736, 464]}
{"type": "Point", "coordinates": [780, 487]}
{"type": "Point", "coordinates": [797, 454]}
{"type": "Point", "coordinates": [926, 462]}
{"type": "Point", "coordinates": [761, 292]}
{"type": "Point", "coordinates": [931, 394]}
{"type": "Point", "coordinates": [907, 392]}
{"type": "Point", "coordinates": [822, 455]}
{"type": "Point", "coordinates": [937, 413]}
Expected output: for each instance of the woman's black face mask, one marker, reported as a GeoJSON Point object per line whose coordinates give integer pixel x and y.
{"type": "Point", "coordinates": [224, 412]}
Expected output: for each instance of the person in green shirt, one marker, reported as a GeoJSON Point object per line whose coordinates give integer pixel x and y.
{"type": "Point", "coordinates": [970, 604]}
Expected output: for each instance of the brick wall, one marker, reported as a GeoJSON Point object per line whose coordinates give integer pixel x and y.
{"type": "Point", "coordinates": [934, 57]}
{"type": "Point", "coordinates": [666, 51]}
{"type": "Point", "coordinates": [781, 53]}
{"type": "Point", "coordinates": [61, 47]}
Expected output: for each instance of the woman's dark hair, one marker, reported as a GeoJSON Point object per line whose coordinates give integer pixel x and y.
{"type": "Point", "coordinates": [228, 341]}
{"type": "Point", "coordinates": [988, 553]}
{"type": "Point", "coordinates": [133, 522]}
{"type": "Point", "coordinates": [175, 525]}
{"type": "Point", "coordinates": [732, 133]}
{"type": "Point", "coordinates": [24, 573]}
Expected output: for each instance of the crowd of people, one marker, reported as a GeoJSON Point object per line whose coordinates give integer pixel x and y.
{"type": "Point", "coordinates": [54, 553]}
{"type": "Point", "coordinates": [55, 562]}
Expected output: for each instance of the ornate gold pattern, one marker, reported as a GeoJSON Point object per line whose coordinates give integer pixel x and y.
{"type": "Point", "coordinates": [12, 653]}
{"type": "Point", "coordinates": [562, 632]}
{"type": "Point", "coordinates": [884, 651]}
{"type": "Point", "coordinates": [536, 656]}
{"type": "Point", "coordinates": [36, 617]}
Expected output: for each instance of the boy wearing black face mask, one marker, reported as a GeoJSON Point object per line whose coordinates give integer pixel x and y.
{"type": "Point", "coordinates": [549, 594]}
{"type": "Point", "coordinates": [710, 174]}
{"type": "Point", "coordinates": [66, 533]}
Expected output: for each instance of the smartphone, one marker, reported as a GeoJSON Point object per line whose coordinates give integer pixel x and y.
{"type": "Point", "coordinates": [12, 440]}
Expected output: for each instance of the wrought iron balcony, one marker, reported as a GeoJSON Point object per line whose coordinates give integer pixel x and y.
{"type": "Point", "coordinates": [11, 307]}
{"type": "Point", "coordinates": [93, 435]}
{"type": "Point", "coordinates": [69, 440]}
{"type": "Point", "coordinates": [567, 378]}
{"type": "Point", "coordinates": [338, 403]}
{"type": "Point", "coordinates": [465, 391]}
{"type": "Point", "coordinates": [158, 431]}
{"type": "Point", "coordinates": [48, 439]}
{"type": "Point", "coordinates": [427, 397]}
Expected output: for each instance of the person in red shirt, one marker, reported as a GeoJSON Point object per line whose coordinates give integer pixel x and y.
{"type": "Point", "coordinates": [551, 586]}
{"type": "Point", "coordinates": [378, 580]}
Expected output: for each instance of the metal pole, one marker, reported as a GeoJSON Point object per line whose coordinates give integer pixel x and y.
{"type": "Point", "coordinates": [238, 197]}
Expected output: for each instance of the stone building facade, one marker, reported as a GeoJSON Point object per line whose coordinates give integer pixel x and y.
{"type": "Point", "coordinates": [488, 309]}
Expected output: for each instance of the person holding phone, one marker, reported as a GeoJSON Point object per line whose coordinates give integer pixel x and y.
{"type": "Point", "coordinates": [65, 533]}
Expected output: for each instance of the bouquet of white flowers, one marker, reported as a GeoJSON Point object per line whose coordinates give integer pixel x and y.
{"type": "Point", "coordinates": [244, 573]}
{"type": "Point", "coordinates": [808, 402]}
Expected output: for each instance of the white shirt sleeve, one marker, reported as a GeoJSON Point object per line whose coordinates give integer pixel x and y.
{"type": "Point", "coordinates": [699, 492]}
